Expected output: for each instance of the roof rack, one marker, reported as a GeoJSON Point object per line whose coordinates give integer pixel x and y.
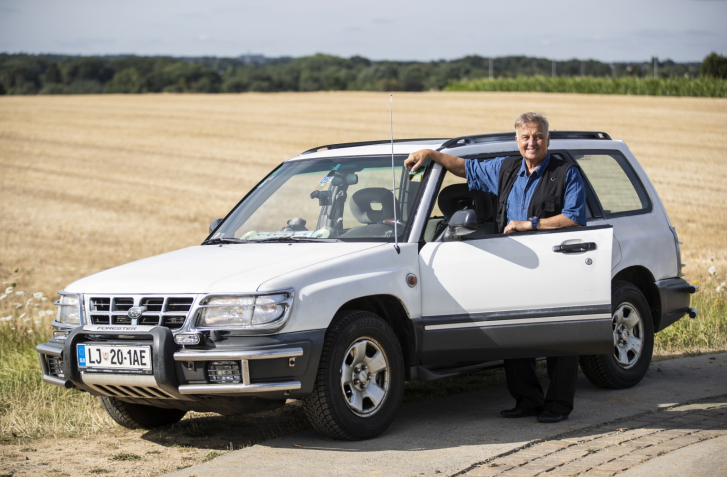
{"type": "Point", "coordinates": [510, 136]}
{"type": "Point", "coordinates": [328, 147]}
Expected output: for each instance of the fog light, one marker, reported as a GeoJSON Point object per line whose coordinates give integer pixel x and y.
{"type": "Point", "coordinates": [60, 335]}
{"type": "Point", "coordinates": [55, 367]}
{"type": "Point", "coordinates": [224, 372]}
{"type": "Point", "coordinates": [187, 339]}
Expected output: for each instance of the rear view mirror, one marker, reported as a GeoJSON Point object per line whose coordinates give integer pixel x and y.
{"type": "Point", "coordinates": [214, 224]}
{"type": "Point", "coordinates": [463, 222]}
{"type": "Point", "coordinates": [348, 179]}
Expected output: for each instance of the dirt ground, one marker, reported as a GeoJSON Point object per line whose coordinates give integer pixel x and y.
{"type": "Point", "coordinates": [119, 451]}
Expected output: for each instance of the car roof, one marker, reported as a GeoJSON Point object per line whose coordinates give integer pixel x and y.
{"type": "Point", "coordinates": [461, 146]}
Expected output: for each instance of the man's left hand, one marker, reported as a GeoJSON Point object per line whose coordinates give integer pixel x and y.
{"type": "Point", "coordinates": [518, 226]}
{"type": "Point", "coordinates": [557, 222]}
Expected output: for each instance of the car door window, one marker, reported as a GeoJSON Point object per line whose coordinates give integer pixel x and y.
{"type": "Point", "coordinates": [615, 183]}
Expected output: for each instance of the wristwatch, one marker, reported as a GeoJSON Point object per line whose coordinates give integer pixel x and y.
{"type": "Point", "coordinates": [534, 220]}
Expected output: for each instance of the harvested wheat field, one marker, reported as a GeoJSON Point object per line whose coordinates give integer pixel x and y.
{"type": "Point", "coordinates": [90, 182]}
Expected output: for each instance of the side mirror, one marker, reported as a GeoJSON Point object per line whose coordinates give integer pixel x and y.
{"type": "Point", "coordinates": [463, 222]}
{"type": "Point", "coordinates": [214, 224]}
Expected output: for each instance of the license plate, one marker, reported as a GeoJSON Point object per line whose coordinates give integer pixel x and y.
{"type": "Point", "coordinates": [122, 358]}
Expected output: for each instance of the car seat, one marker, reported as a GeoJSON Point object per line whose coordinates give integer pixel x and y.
{"type": "Point", "coordinates": [458, 197]}
{"type": "Point", "coordinates": [362, 207]}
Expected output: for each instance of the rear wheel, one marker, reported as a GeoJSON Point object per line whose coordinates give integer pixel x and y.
{"type": "Point", "coordinates": [139, 416]}
{"type": "Point", "coordinates": [360, 380]}
{"type": "Point", "coordinates": [633, 341]}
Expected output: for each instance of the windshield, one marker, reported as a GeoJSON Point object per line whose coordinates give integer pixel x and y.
{"type": "Point", "coordinates": [343, 198]}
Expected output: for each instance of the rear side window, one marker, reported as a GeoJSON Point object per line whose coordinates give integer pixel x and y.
{"type": "Point", "coordinates": [619, 190]}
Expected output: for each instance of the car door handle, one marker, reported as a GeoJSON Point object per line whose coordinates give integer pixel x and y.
{"type": "Point", "coordinates": [574, 247]}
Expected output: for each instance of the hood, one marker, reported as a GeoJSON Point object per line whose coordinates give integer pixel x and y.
{"type": "Point", "coordinates": [236, 268]}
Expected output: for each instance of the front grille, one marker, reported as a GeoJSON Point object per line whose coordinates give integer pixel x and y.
{"type": "Point", "coordinates": [100, 304]}
{"type": "Point", "coordinates": [55, 366]}
{"type": "Point", "coordinates": [168, 311]}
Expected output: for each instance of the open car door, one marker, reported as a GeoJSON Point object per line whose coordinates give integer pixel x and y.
{"type": "Point", "coordinates": [532, 294]}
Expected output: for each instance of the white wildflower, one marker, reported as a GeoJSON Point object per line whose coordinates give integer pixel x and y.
{"type": "Point", "coordinates": [38, 295]}
{"type": "Point", "coordinates": [26, 320]}
{"type": "Point", "coordinates": [21, 316]}
{"type": "Point", "coordinates": [44, 299]}
{"type": "Point", "coordinates": [9, 290]}
{"type": "Point", "coordinates": [41, 313]}
{"type": "Point", "coordinates": [30, 331]}
{"type": "Point", "coordinates": [37, 322]}
{"type": "Point", "coordinates": [3, 296]}
{"type": "Point", "coordinates": [6, 318]}
{"type": "Point", "coordinates": [19, 293]}
{"type": "Point", "coordinates": [712, 270]}
{"type": "Point", "coordinates": [18, 305]}
{"type": "Point", "coordinates": [720, 288]}
{"type": "Point", "coordinates": [27, 303]}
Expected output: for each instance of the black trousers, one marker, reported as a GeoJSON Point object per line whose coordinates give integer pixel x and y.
{"type": "Point", "coordinates": [524, 386]}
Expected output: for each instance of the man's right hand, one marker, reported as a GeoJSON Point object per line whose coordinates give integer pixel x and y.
{"type": "Point", "coordinates": [417, 159]}
{"type": "Point", "coordinates": [453, 164]}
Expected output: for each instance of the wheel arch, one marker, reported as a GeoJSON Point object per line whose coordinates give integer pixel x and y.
{"type": "Point", "coordinates": [643, 279]}
{"type": "Point", "coordinates": [392, 310]}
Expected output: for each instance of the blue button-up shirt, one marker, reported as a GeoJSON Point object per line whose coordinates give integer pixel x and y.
{"type": "Point", "coordinates": [484, 176]}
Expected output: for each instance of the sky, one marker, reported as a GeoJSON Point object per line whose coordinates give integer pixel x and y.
{"type": "Point", "coordinates": [422, 30]}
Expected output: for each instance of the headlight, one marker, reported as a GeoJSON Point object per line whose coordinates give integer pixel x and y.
{"type": "Point", "coordinates": [262, 311]}
{"type": "Point", "coordinates": [68, 310]}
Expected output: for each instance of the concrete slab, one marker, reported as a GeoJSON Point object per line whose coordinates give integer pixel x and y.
{"type": "Point", "coordinates": [449, 435]}
{"type": "Point", "coordinates": [704, 459]}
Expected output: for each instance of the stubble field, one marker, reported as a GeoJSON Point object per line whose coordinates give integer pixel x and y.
{"type": "Point", "coordinates": [90, 182]}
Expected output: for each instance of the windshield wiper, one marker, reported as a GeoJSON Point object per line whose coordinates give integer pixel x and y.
{"type": "Point", "coordinates": [295, 239]}
{"type": "Point", "coordinates": [221, 240]}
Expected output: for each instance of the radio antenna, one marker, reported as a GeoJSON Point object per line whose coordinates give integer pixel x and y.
{"type": "Point", "coordinates": [393, 172]}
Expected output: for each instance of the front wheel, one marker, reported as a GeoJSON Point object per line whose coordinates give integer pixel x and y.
{"type": "Point", "coordinates": [633, 341]}
{"type": "Point", "coordinates": [360, 379]}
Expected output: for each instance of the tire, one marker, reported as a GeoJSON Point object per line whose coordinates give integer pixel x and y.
{"type": "Point", "coordinates": [360, 378]}
{"type": "Point", "coordinates": [633, 332]}
{"type": "Point", "coordinates": [139, 416]}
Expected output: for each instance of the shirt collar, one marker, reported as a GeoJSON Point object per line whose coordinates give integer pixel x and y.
{"type": "Point", "coordinates": [538, 170]}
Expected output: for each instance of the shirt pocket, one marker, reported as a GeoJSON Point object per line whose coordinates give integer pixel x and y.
{"type": "Point", "coordinates": [550, 205]}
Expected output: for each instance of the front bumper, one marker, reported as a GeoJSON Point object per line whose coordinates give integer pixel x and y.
{"type": "Point", "coordinates": [272, 367]}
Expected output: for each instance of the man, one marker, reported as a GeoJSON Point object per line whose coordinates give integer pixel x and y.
{"type": "Point", "coordinates": [533, 193]}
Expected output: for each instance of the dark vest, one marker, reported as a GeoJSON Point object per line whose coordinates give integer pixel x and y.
{"type": "Point", "coordinates": [549, 194]}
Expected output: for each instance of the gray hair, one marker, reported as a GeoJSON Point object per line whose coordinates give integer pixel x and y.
{"type": "Point", "coordinates": [529, 118]}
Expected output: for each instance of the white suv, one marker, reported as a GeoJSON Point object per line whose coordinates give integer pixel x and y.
{"type": "Point", "coordinates": [324, 286]}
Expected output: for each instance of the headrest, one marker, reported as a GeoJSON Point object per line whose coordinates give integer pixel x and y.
{"type": "Point", "coordinates": [458, 196]}
{"type": "Point", "coordinates": [361, 205]}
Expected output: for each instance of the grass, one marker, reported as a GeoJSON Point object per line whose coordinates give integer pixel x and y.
{"type": "Point", "coordinates": [125, 456]}
{"type": "Point", "coordinates": [28, 407]}
{"type": "Point", "coordinates": [707, 332]}
{"type": "Point", "coordinates": [702, 87]}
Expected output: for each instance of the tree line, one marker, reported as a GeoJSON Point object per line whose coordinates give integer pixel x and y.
{"type": "Point", "coordinates": [58, 74]}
